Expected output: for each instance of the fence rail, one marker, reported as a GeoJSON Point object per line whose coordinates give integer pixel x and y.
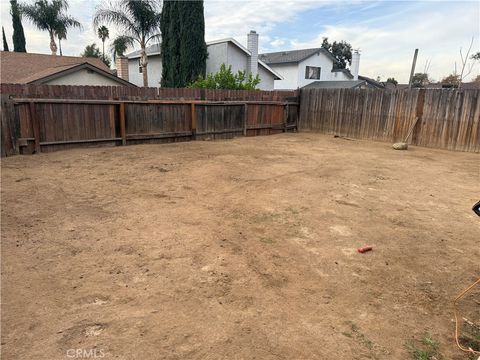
{"type": "Point", "coordinates": [47, 118]}
{"type": "Point", "coordinates": [447, 119]}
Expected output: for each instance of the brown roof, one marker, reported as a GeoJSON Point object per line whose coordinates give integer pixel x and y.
{"type": "Point", "coordinates": [24, 68]}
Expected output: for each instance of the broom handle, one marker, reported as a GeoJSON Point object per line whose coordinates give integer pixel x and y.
{"type": "Point", "coordinates": [411, 129]}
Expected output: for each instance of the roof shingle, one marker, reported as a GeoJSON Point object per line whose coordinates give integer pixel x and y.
{"type": "Point", "coordinates": [293, 56]}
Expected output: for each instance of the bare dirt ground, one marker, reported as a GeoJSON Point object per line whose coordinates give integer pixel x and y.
{"type": "Point", "coordinates": [237, 249]}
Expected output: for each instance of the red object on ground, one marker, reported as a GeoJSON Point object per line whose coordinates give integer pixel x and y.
{"type": "Point", "coordinates": [364, 249]}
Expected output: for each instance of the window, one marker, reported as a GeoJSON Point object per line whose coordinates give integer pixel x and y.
{"type": "Point", "coordinates": [140, 65]}
{"type": "Point", "coordinates": [312, 72]}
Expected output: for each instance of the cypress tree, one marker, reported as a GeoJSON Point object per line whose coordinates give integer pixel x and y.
{"type": "Point", "coordinates": [169, 26]}
{"type": "Point", "coordinates": [165, 47]}
{"type": "Point", "coordinates": [18, 34]}
{"type": "Point", "coordinates": [184, 51]}
{"type": "Point", "coordinates": [5, 44]}
{"type": "Point", "coordinates": [193, 50]}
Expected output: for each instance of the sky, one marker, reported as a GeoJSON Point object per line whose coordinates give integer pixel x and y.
{"type": "Point", "coordinates": [386, 32]}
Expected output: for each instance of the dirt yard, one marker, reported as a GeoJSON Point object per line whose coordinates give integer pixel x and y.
{"type": "Point", "coordinates": [237, 249]}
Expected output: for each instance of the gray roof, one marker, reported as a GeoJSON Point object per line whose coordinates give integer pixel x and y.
{"type": "Point", "coordinates": [293, 56]}
{"type": "Point", "coordinates": [348, 84]}
{"type": "Point", "coordinates": [151, 50]}
{"type": "Point", "coordinates": [371, 82]}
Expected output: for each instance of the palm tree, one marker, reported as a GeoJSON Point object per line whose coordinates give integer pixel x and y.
{"type": "Point", "coordinates": [61, 33]}
{"type": "Point", "coordinates": [50, 15]}
{"type": "Point", "coordinates": [103, 34]}
{"type": "Point", "coordinates": [119, 46]}
{"type": "Point", "coordinates": [138, 20]}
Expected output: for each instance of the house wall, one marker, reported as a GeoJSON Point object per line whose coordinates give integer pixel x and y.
{"type": "Point", "coordinates": [321, 60]}
{"type": "Point", "coordinates": [340, 76]}
{"type": "Point", "coordinates": [289, 73]}
{"type": "Point", "coordinates": [294, 74]}
{"type": "Point", "coordinates": [154, 71]}
{"type": "Point", "coordinates": [217, 55]}
{"type": "Point", "coordinates": [229, 54]}
{"type": "Point", "coordinates": [236, 58]}
{"type": "Point", "coordinates": [266, 79]}
{"type": "Point", "coordinates": [84, 77]}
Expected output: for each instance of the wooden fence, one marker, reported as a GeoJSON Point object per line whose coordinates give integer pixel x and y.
{"type": "Point", "coordinates": [447, 119]}
{"type": "Point", "coordinates": [37, 118]}
{"type": "Point", "coordinates": [42, 118]}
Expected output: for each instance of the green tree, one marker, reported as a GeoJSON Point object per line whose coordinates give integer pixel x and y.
{"type": "Point", "coordinates": [184, 52]}
{"type": "Point", "coordinates": [5, 44]}
{"type": "Point", "coordinates": [138, 21]}
{"type": "Point", "coordinates": [92, 51]}
{"type": "Point", "coordinates": [341, 51]}
{"type": "Point", "coordinates": [18, 34]}
{"type": "Point", "coordinates": [103, 35]}
{"type": "Point", "coordinates": [51, 16]}
{"type": "Point", "coordinates": [419, 80]}
{"type": "Point", "coordinates": [392, 81]}
{"type": "Point", "coordinates": [452, 79]}
{"type": "Point", "coordinates": [119, 45]}
{"type": "Point", "coordinates": [226, 79]}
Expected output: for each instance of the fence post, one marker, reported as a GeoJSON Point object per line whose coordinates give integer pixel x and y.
{"type": "Point", "coordinates": [245, 118]}
{"type": "Point", "coordinates": [35, 126]}
{"type": "Point", "coordinates": [9, 127]}
{"type": "Point", "coordinates": [111, 113]}
{"type": "Point", "coordinates": [194, 121]}
{"type": "Point", "coordinates": [418, 113]}
{"type": "Point", "coordinates": [123, 133]}
{"type": "Point", "coordinates": [285, 117]}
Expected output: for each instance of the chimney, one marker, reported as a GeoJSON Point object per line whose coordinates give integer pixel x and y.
{"type": "Point", "coordinates": [121, 62]}
{"type": "Point", "coordinates": [355, 64]}
{"type": "Point", "coordinates": [252, 45]}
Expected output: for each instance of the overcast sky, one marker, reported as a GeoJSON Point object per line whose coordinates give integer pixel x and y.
{"type": "Point", "coordinates": [386, 32]}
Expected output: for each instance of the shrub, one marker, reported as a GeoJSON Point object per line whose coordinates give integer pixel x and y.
{"type": "Point", "coordinates": [226, 79]}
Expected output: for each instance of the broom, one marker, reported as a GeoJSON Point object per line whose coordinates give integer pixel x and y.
{"type": "Point", "coordinates": [404, 145]}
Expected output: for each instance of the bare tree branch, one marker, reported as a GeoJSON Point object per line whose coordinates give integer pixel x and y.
{"type": "Point", "coordinates": [464, 64]}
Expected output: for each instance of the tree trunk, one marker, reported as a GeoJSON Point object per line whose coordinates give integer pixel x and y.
{"type": "Point", "coordinates": [103, 50]}
{"type": "Point", "coordinates": [53, 45]}
{"type": "Point", "coordinates": [60, 46]}
{"type": "Point", "coordinates": [144, 66]}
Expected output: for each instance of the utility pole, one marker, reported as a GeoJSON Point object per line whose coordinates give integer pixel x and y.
{"type": "Point", "coordinates": [413, 68]}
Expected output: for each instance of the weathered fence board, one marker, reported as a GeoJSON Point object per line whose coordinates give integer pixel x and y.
{"type": "Point", "coordinates": [448, 119]}
{"type": "Point", "coordinates": [46, 118]}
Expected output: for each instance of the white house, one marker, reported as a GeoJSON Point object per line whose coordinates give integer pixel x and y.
{"type": "Point", "coordinates": [302, 67]}
{"type": "Point", "coordinates": [225, 51]}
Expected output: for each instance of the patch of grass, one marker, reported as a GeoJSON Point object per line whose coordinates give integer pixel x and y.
{"type": "Point", "coordinates": [425, 349]}
{"type": "Point", "coordinates": [430, 342]}
{"type": "Point", "coordinates": [471, 342]}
